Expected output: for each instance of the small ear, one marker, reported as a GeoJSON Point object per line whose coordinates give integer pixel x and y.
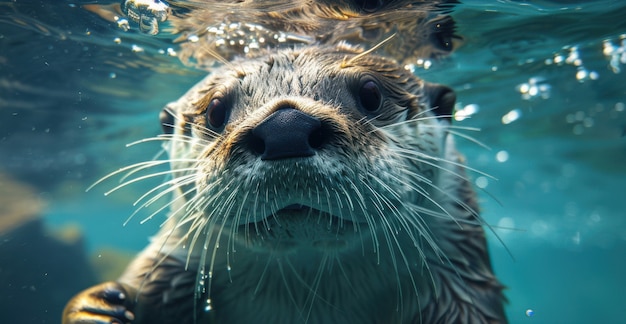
{"type": "Point", "coordinates": [441, 99]}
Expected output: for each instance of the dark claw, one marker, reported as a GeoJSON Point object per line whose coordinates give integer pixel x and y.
{"type": "Point", "coordinates": [120, 313]}
{"type": "Point", "coordinates": [113, 295]}
{"type": "Point", "coordinates": [106, 303]}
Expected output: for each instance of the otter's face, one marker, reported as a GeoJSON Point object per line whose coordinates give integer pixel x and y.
{"type": "Point", "coordinates": [318, 149]}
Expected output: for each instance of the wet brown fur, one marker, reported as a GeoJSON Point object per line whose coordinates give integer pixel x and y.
{"type": "Point", "coordinates": [412, 248]}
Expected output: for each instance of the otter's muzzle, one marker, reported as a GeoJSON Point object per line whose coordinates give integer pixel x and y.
{"type": "Point", "coordinates": [287, 133]}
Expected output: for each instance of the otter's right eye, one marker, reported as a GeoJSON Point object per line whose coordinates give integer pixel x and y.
{"type": "Point", "coordinates": [370, 96]}
{"type": "Point", "coordinates": [442, 35]}
{"type": "Point", "coordinates": [217, 113]}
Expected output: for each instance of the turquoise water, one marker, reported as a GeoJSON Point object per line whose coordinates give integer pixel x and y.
{"type": "Point", "coordinates": [543, 80]}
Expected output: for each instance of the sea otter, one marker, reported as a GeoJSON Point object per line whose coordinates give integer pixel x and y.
{"type": "Point", "coordinates": [311, 185]}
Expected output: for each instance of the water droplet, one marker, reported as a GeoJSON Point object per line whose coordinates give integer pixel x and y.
{"type": "Point", "coordinates": [523, 88]}
{"type": "Point", "coordinates": [123, 24]}
{"type": "Point", "coordinates": [193, 38]}
{"type": "Point", "coordinates": [558, 59]}
{"type": "Point", "coordinates": [511, 116]}
{"type": "Point", "coordinates": [530, 312]}
{"type": "Point", "coordinates": [502, 156]}
{"type": "Point", "coordinates": [112, 75]}
{"type": "Point", "coordinates": [506, 223]}
{"type": "Point", "coordinates": [578, 129]}
{"type": "Point", "coordinates": [580, 115]}
{"type": "Point", "coordinates": [465, 112]}
{"type": "Point", "coordinates": [595, 217]}
{"type": "Point", "coordinates": [482, 182]}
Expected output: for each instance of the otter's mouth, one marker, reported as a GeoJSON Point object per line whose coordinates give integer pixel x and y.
{"type": "Point", "coordinates": [299, 225]}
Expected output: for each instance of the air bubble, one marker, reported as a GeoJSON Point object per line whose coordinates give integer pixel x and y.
{"type": "Point", "coordinates": [123, 24]}
{"type": "Point", "coordinates": [502, 156]}
{"type": "Point", "coordinates": [482, 182]}
{"type": "Point", "coordinates": [506, 223]}
{"type": "Point", "coordinates": [193, 38]}
{"type": "Point", "coordinates": [578, 129]}
{"type": "Point", "coordinates": [511, 116]}
{"type": "Point", "coordinates": [558, 59]}
{"type": "Point", "coordinates": [466, 112]}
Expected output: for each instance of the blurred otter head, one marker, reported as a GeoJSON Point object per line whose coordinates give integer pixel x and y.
{"type": "Point", "coordinates": [423, 29]}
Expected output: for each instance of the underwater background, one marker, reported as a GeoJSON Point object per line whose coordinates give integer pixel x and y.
{"type": "Point", "coordinates": [544, 81]}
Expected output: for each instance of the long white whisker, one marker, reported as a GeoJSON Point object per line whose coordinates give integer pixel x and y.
{"type": "Point", "coordinates": [140, 165]}
{"type": "Point", "coordinates": [152, 175]}
{"type": "Point", "coordinates": [160, 209]}
{"type": "Point", "coordinates": [469, 138]}
{"type": "Point", "coordinates": [286, 284]}
{"type": "Point", "coordinates": [165, 138]}
{"type": "Point", "coordinates": [178, 182]}
{"type": "Point", "coordinates": [424, 158]}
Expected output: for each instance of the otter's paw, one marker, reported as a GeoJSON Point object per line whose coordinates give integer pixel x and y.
{"type": "Point", "coordinates": [108, 303]}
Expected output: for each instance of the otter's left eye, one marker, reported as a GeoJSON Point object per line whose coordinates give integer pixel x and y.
{"type": "Point", "coordinates": [370, 96]}
{"type": "Point", "coordinates": [217, 113]}
{"type": "Point", "coordinates": [369, 6]}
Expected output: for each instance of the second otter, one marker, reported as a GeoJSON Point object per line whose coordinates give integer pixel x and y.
{"type": "Point", "coordinates": [309, 186]}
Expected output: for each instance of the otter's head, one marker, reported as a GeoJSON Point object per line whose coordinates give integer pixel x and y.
{"type": "Point", "coordinates": [424, 29]}
{"type": "Point", "coordinates": [319, 150]}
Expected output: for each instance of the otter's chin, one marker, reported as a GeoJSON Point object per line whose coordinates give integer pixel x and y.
{"type": "Point", "coordinates": [299, 228]}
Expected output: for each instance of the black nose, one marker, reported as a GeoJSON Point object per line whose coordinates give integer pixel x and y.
{"type": "Point", "coordinates": [287, 133]}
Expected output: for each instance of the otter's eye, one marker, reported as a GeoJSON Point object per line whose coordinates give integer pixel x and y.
{"type": "Point", "coordinates": [217, 113]}
{"type": "Point", "coordinates": [370, 96]}
{"type": "Point", "coordinates": [442, 35]}
{"type": "Point", "coordinates": [368, 6]}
